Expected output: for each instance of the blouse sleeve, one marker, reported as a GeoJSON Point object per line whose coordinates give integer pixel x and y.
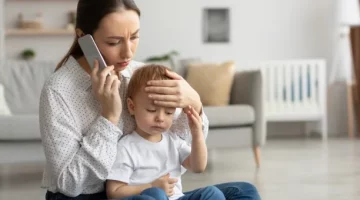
{"type": "Point", "coordinates": [181, 125]}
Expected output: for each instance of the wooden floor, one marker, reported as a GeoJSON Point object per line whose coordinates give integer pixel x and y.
{"type": "Point", "coordinates": [292, 169]}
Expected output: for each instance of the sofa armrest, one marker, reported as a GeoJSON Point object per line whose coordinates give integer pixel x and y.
{"type": "Point", "coordinates": [248, 89]}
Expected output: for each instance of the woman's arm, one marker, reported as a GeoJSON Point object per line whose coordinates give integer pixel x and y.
{"type": "Point", "coordinates": [76, 160]}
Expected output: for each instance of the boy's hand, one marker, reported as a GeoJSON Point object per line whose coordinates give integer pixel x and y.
{"type": "Point", "coordinates": [195, 121]}
{"type": "Point", "coordinates": [166, 183]}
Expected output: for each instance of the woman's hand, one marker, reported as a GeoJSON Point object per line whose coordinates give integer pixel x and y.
{"type": "Point", "coordinates": [106, 90]}
{"type": "Point", "coordinates": [166, 183]}
{"type": "Point", "coordinates": [173, 93]}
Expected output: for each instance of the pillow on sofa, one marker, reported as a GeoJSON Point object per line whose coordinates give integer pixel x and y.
{"type": "Point", "coordinates": [4, 108]}
{"type": "Point", "coordinates": [183, 63]}
{"type": "Point", "coordinates": [212, 81]}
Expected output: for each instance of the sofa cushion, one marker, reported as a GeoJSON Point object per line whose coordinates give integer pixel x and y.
{"type": "Point", "coordinates": [22, 127]}
{"type": "Point", "coordinates": [181, 65]}
{"type": "Point", "coordinates": [23, 82]}
{"type": "Point", "coordinates": [212, 81]}
{"type": "Point", "coordinates": [232, 115]}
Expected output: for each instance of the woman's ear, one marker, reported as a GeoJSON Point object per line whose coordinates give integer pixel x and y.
{"type": "Point", "coordinates": [79, 32]}
{"type": "Point", "coordinates": [131, 106]}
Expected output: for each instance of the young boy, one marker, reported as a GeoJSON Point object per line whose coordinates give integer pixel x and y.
{"type": "Point", "coordinates": [152, 154]}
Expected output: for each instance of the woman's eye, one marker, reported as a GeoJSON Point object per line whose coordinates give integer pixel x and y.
{"type": "Point", "coordinates": [114, 43]}
{"type": "Point", "coordinates": [169, 113]}
{"type": "Point", "coordinates": [134, 37]}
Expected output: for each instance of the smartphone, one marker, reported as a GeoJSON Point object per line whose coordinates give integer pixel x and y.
{"type": "Point", "coordinates": [91, 51]}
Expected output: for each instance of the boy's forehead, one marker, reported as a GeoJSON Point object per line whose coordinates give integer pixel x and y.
{"type": "Point", "coordinates": [143, 97]}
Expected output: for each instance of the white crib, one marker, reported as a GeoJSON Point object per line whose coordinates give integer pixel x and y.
{"type": "Point", "coordinates": [295, 90]}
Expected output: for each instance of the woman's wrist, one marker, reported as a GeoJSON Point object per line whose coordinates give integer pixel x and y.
{"type": "Point", "coordinates": [112, 119]}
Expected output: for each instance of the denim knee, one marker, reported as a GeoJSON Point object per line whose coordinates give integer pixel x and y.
{"type": "Point", "coordinates": [214, 192]}
{"type": "Point", "coordinates": [156, 193]}
{"type": "Point", "coordinates": [245, 186]}
{"type": "Point", "coordinates": [247, 189]}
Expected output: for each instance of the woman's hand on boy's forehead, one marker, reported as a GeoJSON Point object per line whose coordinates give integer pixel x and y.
{"type": "Point", "coordinates": [173, 93]}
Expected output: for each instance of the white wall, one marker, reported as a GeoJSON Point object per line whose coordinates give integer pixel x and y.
{"type": "Point", "coordinates": [260, 30]}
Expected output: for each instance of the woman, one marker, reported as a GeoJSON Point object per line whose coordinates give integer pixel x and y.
{"type": "Point", "coordinates": [82, 112]}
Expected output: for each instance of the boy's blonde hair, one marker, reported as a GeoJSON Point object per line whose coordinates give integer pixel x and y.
{"type": "Point", "coordinates": [144, 74]}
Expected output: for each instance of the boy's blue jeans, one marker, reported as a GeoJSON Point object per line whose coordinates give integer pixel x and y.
{"type": "Point", "coordinates": [206, 193]}
{"type": "Point", "coordinates": [231, 191]}
{"type": "Point", "coordinates": [209, 192]}
{"type": "Point", "coordinates": [237, 191]}
{"type": "Point", "coordinates": [228, 191]}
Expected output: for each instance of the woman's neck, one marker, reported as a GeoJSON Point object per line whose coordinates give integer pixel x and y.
{"type": "Point", "coordinates": [84, 64]}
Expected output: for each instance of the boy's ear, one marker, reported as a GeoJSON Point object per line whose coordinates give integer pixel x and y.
{"type": "Point", "coordinates": [131, 106]}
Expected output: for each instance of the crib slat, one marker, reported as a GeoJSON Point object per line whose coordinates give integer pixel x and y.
{"type": "Point", "coordinates": [304, 87]}
{"type": "Point", "coordinates": [296, 88]}
{"type": "Point", "coordinates": [287, 88]}
{"type": "Point", "coordinates": [313, 88]}
{"type": "Point", "coordinates": [280, 86]}
{"type": "Point", "coordinates": [322, 86]}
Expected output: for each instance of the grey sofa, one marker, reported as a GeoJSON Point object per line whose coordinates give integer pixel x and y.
{"type": "Point", "coordinates": [23, 82]}
{"type": "Point", "coordinates": [237, 125]}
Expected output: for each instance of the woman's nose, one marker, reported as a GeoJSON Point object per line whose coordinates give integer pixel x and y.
{"type": "Point", "coordinates": [126, 52]}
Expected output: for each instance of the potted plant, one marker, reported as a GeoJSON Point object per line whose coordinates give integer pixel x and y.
{"type": "Point", "coordinates": [28, 54]}
{"type": "Point", "coordinates": [165, 59]}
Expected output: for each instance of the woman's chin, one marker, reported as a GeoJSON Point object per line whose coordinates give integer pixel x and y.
{"type": "Point", "coordinates": [119, 68]}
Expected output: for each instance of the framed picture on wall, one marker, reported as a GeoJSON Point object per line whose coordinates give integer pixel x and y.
{"type": "Point", "coordinates": [216, 25]}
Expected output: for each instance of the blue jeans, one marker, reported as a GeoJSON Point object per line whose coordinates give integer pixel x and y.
{"type": "Point", "coordinates": [148, 194]}
{"type": "Point", "coordinates": [236, 191]}
{"type": "Point", "coordinates": [231, 191]}
{"type": "Point", "coordinates": [206, 193]}
{"type": "Point", "coordinates": [228, 191]}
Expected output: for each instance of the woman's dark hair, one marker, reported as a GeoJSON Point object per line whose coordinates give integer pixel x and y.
{"type": "Point", "coordinates": [88, 16]}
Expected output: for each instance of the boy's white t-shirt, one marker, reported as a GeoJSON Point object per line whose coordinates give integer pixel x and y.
{"type": "Point", "coordinates": [140, 161]}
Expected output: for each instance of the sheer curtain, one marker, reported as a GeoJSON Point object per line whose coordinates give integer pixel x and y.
{"type": "Point", "coordinates": [348, 15]}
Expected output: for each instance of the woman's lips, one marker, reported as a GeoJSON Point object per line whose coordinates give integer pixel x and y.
{"type": "Point", "coordinates": [124, 64]}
